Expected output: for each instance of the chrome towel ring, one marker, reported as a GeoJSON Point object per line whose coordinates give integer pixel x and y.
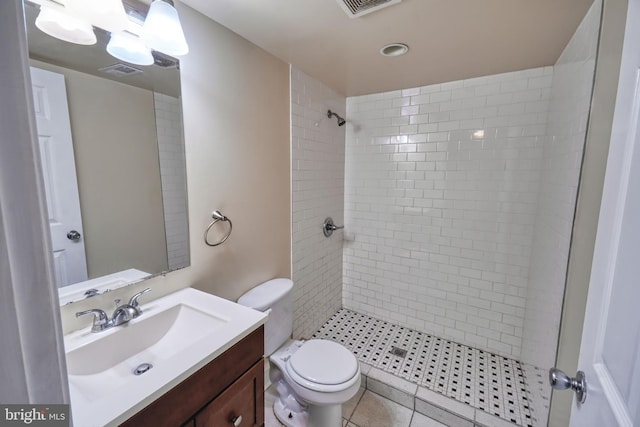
{"type": "Point", "coordinates": [217, 216]}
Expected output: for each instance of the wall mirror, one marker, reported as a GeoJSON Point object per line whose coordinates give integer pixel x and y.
{"type": "Point", "coordinates": [113, 161]}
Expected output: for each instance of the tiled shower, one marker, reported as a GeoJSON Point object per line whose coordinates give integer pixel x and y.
{"type": "Point", "coordinates": [457, 199]}
{"type": "Point", "coordinates": [172, 173]}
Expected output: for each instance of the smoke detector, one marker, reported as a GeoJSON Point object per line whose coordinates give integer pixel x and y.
{"type": "Point", "coordinates": [358, 8]}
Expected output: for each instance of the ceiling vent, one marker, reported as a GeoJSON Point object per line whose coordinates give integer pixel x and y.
{"type": "Point", "coordinates": [358, 8]}
{"type": "Point", "coordinates": [120, 70]}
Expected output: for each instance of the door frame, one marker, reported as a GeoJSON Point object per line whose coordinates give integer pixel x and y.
{"type": "Point", "coordinates": [589, 199]}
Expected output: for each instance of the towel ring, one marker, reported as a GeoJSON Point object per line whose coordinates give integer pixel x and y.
{"type": "Point", "coordinates": [217, 216]}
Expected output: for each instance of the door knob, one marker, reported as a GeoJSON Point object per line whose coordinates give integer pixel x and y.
{"type": "Point", "coordinates": [73, 235]}
{"type": "Point", "coordinates": [561, 381]}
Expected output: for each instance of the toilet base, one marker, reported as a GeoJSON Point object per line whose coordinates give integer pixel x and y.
{"type": "Point", "coordinates": [289, 417]}
{"type": "Point", "coordinates": [314, 416]}
{"type": "Point", "coordinates": [325, 416]}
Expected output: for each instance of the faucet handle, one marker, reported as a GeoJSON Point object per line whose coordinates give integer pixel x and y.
{"type": "Point", "coordinates": [133, 302]}
{"type": "Point", "coordinates": [100, 319]}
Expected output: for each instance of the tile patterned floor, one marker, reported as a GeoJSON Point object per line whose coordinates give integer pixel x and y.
{"type": "Point", "coordinates": [492, 383]}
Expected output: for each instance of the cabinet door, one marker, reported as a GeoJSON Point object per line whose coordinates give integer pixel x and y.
{"type": "Point", "coordinates": [240, 405]}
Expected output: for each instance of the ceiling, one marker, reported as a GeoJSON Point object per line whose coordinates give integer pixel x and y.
{"type": "Point", "coordinates": [448, 39]}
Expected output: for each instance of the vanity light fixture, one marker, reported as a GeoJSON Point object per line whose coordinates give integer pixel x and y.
{"type": "Point", "coordinates": [106, 14]}
{"type": "Point", "coordinates": [61, 25]}
{"type": "Point", "coordinates": [162, 30]}
{"type": "Point", "coordinates": [129, 48]}
{"type": "Point", "coordinates": [131, 41]}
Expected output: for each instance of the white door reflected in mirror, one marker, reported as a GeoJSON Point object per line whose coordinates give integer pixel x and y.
{"type": "Point", "coordinates": [59, 172]}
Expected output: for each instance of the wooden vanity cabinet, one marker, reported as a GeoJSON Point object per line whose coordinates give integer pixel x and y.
{"type": "Point", "coordinates": [229, 387]}
{"type": "Point", "coordinates": [237, 405]}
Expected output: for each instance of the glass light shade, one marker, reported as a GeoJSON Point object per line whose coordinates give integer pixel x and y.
{"type": "Point", "coordinates": [129, 48]}
{"type": "Point", "coordinates": [61, 25]}
{"type": "Point", "coordinates": [106, 14]}
{"type": "Point", "coordinates": [162, 30]}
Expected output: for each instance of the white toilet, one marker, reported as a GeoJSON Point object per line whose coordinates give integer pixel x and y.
{"type": "Point", "coordinates": [313, 378]}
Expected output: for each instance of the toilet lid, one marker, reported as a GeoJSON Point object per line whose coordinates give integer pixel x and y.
{"type": "Point", "coordinates": [324, 362]}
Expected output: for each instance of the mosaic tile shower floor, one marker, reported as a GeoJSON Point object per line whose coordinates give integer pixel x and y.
{"type": "Point", "coordinates": [485, 381]}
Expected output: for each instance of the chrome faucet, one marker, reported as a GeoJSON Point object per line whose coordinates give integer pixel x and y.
{"type": "Point", "coordinates": [133, 301]}
{"type": "Point", "coordinates": [101, 321]}
{"type": "Point", "coordinates": [123, 313]}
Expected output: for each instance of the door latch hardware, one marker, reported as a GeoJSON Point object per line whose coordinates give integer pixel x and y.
{"type": "Point", "coordinates": [561, 381]}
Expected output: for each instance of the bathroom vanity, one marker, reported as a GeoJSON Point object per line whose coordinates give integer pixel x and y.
{"type": "Point", "coordinates": [229, 391]}
{"type": "Point", "coordinates": [191, 358]}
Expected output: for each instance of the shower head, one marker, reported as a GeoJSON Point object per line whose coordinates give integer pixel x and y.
{"type": "Point", "coordinates": [341, 121]}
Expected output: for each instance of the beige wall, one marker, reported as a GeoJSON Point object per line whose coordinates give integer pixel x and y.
{"type": "Point", "coordinates": [118, 173]}
{"type": "Point", "coordinates": [589, 195]}
{"type": "Point", "coordinates": [236, 129]}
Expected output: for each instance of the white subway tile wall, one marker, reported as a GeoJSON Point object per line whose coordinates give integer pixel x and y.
{"type": "Point", "coordinates": [317, 179]}
{"type": "Point", "coordinates": [441, 187]}
{"type": "Point", "coordinates": [174, 178]}
{"type": "Point", "coordinates": [562, 158]}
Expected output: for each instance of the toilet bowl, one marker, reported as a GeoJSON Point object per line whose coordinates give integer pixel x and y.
{"type": "Point", "coordinates": [312, 378]}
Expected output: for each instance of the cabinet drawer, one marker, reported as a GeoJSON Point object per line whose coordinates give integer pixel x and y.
{"type": "Point", "coordinates": [242, 402]}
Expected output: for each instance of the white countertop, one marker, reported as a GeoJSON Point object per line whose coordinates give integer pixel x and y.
{"type": "Point", "coordinates": [109, 397]}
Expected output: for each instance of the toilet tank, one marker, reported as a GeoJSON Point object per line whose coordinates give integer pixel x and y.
{"type": "Point", "coordinates": [274, 297]}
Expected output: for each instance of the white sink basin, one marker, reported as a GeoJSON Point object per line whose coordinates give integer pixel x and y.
{"type": "Point", "coordinates": [176, 334]}
{"type": "Point", "coordinates": [151, 337]}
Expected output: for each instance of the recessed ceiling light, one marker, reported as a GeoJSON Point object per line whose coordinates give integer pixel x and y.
{"type": "Point", "coordinates": [394, 49]}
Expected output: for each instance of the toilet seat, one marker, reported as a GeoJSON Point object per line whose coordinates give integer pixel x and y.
{"type": "Point", "coordinates": [324, 366]}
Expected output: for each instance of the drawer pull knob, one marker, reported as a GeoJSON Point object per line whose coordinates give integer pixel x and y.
{"type": "Point", "coordinates": [236, 420]}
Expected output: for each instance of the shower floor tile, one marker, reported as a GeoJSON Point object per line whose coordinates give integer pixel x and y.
{"type": "Point", "coordinates": [491, 383]}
